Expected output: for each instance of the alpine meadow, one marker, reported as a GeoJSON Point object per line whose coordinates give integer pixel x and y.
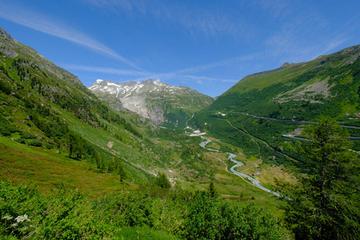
{"type": "Point", "coordinates": [143, 119]}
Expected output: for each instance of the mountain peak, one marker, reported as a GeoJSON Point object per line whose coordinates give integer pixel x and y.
{"type": "Point", "coordinates": [286, 64]}
{"type": "Point", "coordinates": [150, 98]}
{"type": "Point", "coordinates": [156, 82]}
{"type": "Point", "coordinates": [4, 35]}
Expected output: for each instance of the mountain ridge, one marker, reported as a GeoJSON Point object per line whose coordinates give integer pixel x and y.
{"type": "Point", "coordinates": [274, 104]}
{"type": "Point", "coordinates": [152, 99]}
{"type": "Point", "coordinates": [45, 107]}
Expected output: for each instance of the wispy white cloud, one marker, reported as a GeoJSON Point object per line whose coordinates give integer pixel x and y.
{"type": "Point", "coordinates": [203, 79]}
{"type": "Point", "coordinates": [301, 37]}
{"type": "Point", "coordinates": [194, 20]}
{"type": "Point", "coordinates": [341, 36]}
{"type": "Point", "coordinates": [211, 24]}
{"type": "Point", "coordinates": [221, 63]}
{"type": "Point", "coordinates": [106, 70]}
{"type": "Point", "coordinates": [186, 74]}
{"type": "Point", "coordinates": [128, 5]}
{"type": "Point", "coordinates": [289, 43]}
{"type": "Point", "coordinates": [44, 24]}
{"type": "Point", "coordinates": [276, 8]}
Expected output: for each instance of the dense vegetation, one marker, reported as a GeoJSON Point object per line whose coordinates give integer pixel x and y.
{"type": "Point", "coordinates": [146, 214]}
{"type": "Point", "coordinates": [327, 204]}
{"type": "Point", "coordinates": [324, 205]}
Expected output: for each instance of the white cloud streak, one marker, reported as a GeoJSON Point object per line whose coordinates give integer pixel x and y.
{"type": "Point", "coordinates": [276, 8]}
{"type": "Point", "coordinates": [139, 75]}
{"type": "Point", "coordinates": [44, 24]}
{"type": "Point", "coordinates": [186, 73]}
{"type": "Point", "coordinates": [106, 70]}
{"type": "Point", "coordinates": [210, 23]}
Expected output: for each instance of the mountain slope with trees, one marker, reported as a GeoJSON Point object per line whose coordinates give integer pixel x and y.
{"type": "Point", "coordinates": [264, 111]}
{"type": "Point", "coordinates": [45, 106]}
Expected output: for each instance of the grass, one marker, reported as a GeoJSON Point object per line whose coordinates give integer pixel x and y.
{"type": "Point", "coordinates": [145, 233]}
{"type": "Point", "coordinates": [229, 186]}
{"type": "Point", "coordinates": [270, 174]}
{"type": "Point", "coordinates": [47, 169]}
{"type": "Point", "coordinates": [266, 79]}
{"type": "Point", "coordinates": [267, 174]}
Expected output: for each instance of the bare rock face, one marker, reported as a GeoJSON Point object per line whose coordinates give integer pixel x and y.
{"type": "Point", "coordinates": [151, 99]}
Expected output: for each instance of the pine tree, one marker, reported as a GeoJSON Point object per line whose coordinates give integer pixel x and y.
{"type": "Point", "coordinates": [326, 206]}
{"type": "Point", "coordinates": [76, 147]}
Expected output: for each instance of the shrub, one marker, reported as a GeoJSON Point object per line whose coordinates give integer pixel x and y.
{"type": "Point", "coordinates": [66, 214]}
{"type": "Point", "coordinates": [34, 142]}
{"type": "Point", "coordinates": [162, 181]}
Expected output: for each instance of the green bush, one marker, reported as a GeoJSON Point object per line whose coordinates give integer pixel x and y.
{"type": "Point", "coordinates": [66, 214]}
{"type": "Point", "coordinates": [34, 142]}
{"type": "Point", "coordinates": [24, 213]}
{"type": "Point", "coordinates": [211, 218]}
{"type": "Point", "coordinates": [162, 181]}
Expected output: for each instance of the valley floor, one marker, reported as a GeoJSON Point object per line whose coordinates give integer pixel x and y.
{"type": "Point", "coordinates": [47, 170]}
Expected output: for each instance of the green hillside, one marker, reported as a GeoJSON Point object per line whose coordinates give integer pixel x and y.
{"type": "Point", "coordinates": [94, 172]}
{"type": "Point", "coordinates": [256, 112]}
{"type": "Point", "coordinates": [21, 164]}
{"type": "Point", "coordinates": [47, 107]}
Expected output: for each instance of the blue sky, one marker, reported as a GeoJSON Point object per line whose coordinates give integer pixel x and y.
{"type": "Point", "coordinates": [205, 44]}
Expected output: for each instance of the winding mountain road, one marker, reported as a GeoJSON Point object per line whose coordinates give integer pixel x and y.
{"type": "Point", "coordinates": [253, 181]}
{"type": "Point", "coordinates": [292, 121]}
{"type": "Point", "coordinates": [232, 169]}
{"type": "Point", "coordinates": [261, 140]}
{"type": "Point", "coordinates": [232, 157]}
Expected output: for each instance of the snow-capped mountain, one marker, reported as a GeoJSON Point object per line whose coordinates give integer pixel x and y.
{"type": "Point", "coordinates": [152, 99]}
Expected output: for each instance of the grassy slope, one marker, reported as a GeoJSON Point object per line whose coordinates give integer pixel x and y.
{"type": "Point", "coordinates": [46, 106]}
{"type": "Point", "coordinates": [23, 164]}
{"type": "Point", "coordinates": [47, 169]}
{"type": "Point", "coordinates": [179, 107]}
{"type": "Point", "coordinates": [232, 187]}
{"type": "Point", "coordinates": [263, 80]}
{"type": "Point", "coordinates": [42, 108]}
{"type": "Point", "coordinates": [257, 95]}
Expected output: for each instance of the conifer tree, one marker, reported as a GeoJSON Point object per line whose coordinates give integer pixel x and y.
{"type": "Point", "coordinates": [326, 205]}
